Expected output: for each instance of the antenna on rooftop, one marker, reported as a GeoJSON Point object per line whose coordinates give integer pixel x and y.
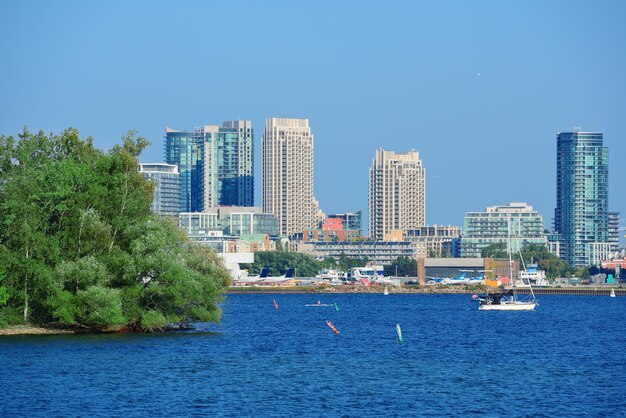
{"type": "Point", "coordinates": [577, 129]}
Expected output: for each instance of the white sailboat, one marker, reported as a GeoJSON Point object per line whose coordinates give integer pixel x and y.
{"type": "Point", "coordinates": [612, 293]}
{"type": "Point", "coordinates": [508, 300]}
{"type": "Point", "coordinates": [386, 291]}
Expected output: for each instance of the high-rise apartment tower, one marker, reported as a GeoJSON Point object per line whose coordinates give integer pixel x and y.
{"type": "Point", "coordinates": [397, 193]}
{"type": "Point", "coordinates": [166, 198]}
{"type": "Point", "coordinates": [288, 175]}
{"type": "Point", "coordinates": [582, 196]}
{"type": "Point", "coordinates": [186, 150]}
{"type": "Point", "coordinates": [215, 163]}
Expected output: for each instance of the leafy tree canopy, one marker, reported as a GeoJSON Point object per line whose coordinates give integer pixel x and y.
{"type": "Point", "coordinates": [532, 253]}
{"type": "Point", "coordinates": [279, 262]}
{"type": "Point", "coordinates": [79, 245]}
{"type": "Point", "coordinates": [406, 267]}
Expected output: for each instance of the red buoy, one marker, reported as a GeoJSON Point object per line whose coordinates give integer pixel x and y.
{"type": "Point", "coordinates": [332, 327]}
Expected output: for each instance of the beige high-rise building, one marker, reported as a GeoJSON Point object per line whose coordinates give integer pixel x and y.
{"type": "Point", "coordinates": [288, 175]}
{"type": "Point", "coordinates": [397, 193]}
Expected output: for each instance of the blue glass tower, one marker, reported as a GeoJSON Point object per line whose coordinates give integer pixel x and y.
{"type": "Point", "coordinates": [582, 194]}
{"type": "Point", "coordinates": [215, 165]}
{"type": "Point", "coordinates": [231, 160]}
{"type": "Point", "coordinates": [186, 150]}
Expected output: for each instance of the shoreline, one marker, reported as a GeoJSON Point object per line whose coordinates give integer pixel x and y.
{"type": "Point", "coordinates": [600, 290]}
{"type": "Point", "coordinates": [35, 330]}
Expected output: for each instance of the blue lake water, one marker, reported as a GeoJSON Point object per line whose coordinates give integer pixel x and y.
{"type": "Point", "coordinates": [567, 358]}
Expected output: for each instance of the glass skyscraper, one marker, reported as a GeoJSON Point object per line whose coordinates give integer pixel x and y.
{"type": "Point", "coordinates": [231, 182]}
{"type": "Point", "coordinates": [215, 165]}
{"type": "Point", "coordinates": [186, 150]}
{"type": "Point", "coordinates": [582, 195]}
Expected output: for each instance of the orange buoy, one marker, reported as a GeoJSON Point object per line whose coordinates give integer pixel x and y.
{"type": "Point", "coordinates": [335, 330]}
{"type": "Point", "coordinates": [275, 304]}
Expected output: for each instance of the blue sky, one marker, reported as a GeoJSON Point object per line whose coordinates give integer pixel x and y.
{"type": "Point", "coordinates": [398, 75]}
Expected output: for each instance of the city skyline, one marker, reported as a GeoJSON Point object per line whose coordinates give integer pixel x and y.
{"type": "Point", "coordinates": [479, 89]}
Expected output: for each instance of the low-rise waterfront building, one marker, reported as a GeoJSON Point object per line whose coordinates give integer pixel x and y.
{"type": "Point", "coordinates": [377, 252]}
{"type": "Point", "coordinates": [440, 268]}
{"type": "Point", "coordinates": [433, 240]}
{"type": "Point", "coordinates": [252, 243]}
{"type": "Point", "coordinates": [514, 223]}
{"type": "Point", "coordinates": [232, 221]}
{"type": "Point", "coordinates": [331, 230]}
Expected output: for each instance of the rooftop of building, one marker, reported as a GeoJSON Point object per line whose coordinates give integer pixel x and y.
{"type": "Point", "coordinates": [158, 168]}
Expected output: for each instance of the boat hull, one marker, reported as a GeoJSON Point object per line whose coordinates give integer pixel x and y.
{"type": "Point", "coordinates": [515, 306]}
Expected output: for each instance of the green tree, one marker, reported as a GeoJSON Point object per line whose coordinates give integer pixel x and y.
{"type": "Point", "coordinates": [79, 245]}
{"type": "Point", "coordinates": [328, 263]}
{"type": "Point", "coordinates": [279, 262]}
{"type": "Point", "coordinates": [494, 251]}
{"type": "Point", "coordinates": [531, 253]}
{"type": "Point", "coordinates": [405, 267]}
{"type": "Point", "coordinates": [346, 263]}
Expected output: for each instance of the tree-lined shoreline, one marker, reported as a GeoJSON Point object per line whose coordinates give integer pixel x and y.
{"type": "Point", "coordinates": [80, 248]}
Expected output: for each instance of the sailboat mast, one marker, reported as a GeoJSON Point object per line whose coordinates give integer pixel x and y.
{"type": "Point", "coordinates": [508, 248]}
{"type": "Point", "coordinates": [510, 251]}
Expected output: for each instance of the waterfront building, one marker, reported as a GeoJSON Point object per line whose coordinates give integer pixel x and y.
{"type": "Point", "coordinates": [288, 175]}
{"type": "Point", "coordinates": [613, 230]}
{"type": "Point", "coordinates": [434, 240]}
{"type": "Point", "coordinates": [516, 223]}
{"type": "Point", "coordinates": [397, 193]}
{"type": "Point", "coordinates": [350, 220]}
{"type": "Point", "coordinates": [597, 252]}
{"type": "Point", "coordinates": [200, 223]}
{"type": "Point", "coordinates": [186, 150]}
{"type": "Point", "coordinates": [554, 244]}
{"type": "Point", "coordinates": [442, 268]}
{"type": "Point", "coordinates": [252, 243]}
{"type": "Point", "coordinates": [166, 197]}
{"type": "Point", "coordinates": [215, 164]}
{"type": "Point", "coordinates": [230, 165]}
{"type": "Point", "coordinates": [377, 252]}
{"type": "Point", "coordinates": [247, 220]}
{"type": "Point", "coordinates": [231, 221]}
{"type": "Point", "coordinates": [332, 229]}
{"type": "Point", "coordinates": [582, 179]}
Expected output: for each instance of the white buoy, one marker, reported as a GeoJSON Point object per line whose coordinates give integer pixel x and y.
{"type": "Point", "coordinates": [399, 332]}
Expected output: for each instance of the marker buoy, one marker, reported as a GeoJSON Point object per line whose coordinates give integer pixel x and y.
{"type": "Point", "coordinates": [336, 307]}
{"type": "Point", "coordinates": [335, 330]}
{"type": "Point", "coordinates": [275, 304]}
{"type": "Point", "coordinates": [399, 332]}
